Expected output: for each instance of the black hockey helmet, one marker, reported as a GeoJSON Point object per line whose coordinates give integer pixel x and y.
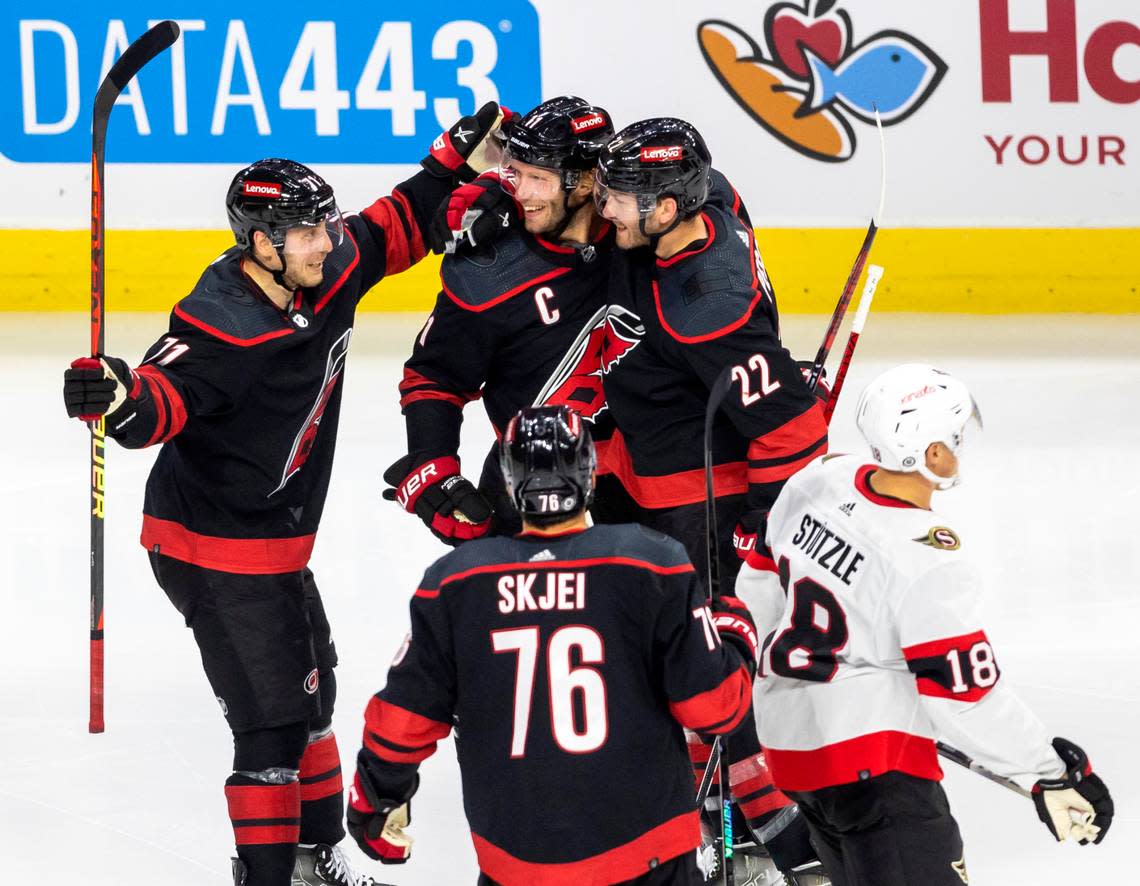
{"type": "Point", "coordinates": [275, 195]}
{"type": "Point", "coordinates": [548, 461]}
{"type": "Point", "coordinates": [564, 134]}
{"type": "Point", "coordinates": [655, 158]}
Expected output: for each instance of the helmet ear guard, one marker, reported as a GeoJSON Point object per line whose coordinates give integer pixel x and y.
{"type": "Point", "coordinates": [907, 409]}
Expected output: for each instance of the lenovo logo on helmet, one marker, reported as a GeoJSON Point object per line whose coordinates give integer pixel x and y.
{"type": "Point", "coordinates": [661, 154]}
{"type": "Point", "coordinates": [261, 189]}
{"type": "Point", "coordinates": [584, 124]}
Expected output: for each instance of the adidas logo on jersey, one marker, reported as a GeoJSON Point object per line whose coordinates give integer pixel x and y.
{"type": "Point", "coordinates": [544, 554]}
{"type": "Point", "coordinates": [847, 508]}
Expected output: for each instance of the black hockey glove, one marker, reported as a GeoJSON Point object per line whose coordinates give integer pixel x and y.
{"type": "Point", "coordinates": [434, 490]}
{"type": "Point", "coordinates": [474, 214]}
{"type": "Point", "coordinates": [1078, 805]}
{"type": "Point", "coordinates": [98, 386]}
{"type": "Point", "coordinates": [734, 623]}
{"type": "Point", "coordinates": [470, 146]}
{"type": "Point", "coordinates": [377, 825]}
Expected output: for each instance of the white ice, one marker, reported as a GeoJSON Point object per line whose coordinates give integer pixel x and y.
{"type": "Point", "coordinates": [1050, 504]}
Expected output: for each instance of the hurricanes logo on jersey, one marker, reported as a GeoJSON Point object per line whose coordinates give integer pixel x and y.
{"type": "Point", "coordinates": [610, 334]}
{"type": "Point", "coordinates": [307, 436]}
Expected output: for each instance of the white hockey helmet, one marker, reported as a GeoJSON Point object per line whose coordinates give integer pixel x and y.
{"type": "Point", "coordinates": [909, 407]}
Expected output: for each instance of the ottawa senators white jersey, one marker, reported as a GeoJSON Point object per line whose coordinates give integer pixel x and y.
{"type": "Point", "coordinates": [873, 647]}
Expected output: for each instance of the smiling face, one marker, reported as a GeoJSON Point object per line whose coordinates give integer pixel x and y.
{"type": "Point", "coordinates": [622, 209]}
{"type": "Point", "coordinates": [306, 248]}
{"type": "Point", "coordinates": [539, 191]}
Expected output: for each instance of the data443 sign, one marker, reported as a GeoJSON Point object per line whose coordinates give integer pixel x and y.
{"type": "Point", "coordinates": [334, 84]}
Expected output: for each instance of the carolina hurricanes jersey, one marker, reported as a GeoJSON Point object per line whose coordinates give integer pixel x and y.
{"type": "Point", "coordinates": [522, 322]}
{"type": "Point", "coordinates": [705, 309]}
{"type": "Point", "coordinates": [873, 645]}
{"type": "Point", "coordinates": [245, 397]}
{"type": "Point", "coordinates": [568, 665]}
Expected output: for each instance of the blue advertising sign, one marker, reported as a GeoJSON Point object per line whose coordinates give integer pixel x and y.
{"type": "Point", "coordinates": [354, 84]}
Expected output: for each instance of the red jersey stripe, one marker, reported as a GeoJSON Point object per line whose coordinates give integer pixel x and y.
{"type": "Point", "coordinates": [225, 336]}
{"type": "Point", "coordinates": [178, 416]}
{"type": "Point", "coordinates": [853, 760]}
{"type": "Point", "coordinates": [244, 556]}
{"type": "Point", "coordinates": [718, 710]}
{"type": "Point", "coordinates": [401, 726]}
{"type": "Point", "coordinates": [934, 689]}
{"type": "Point", "coordinates": [498, 299]}
{"type": "Point", "coordinates": [666, 841]}
{"type": "Point", "coordinates": [939, 648]}
{"type": "Point", "coordinates": [792, 436]}
{"type": "Point", "coordinates": [777, 473]}
{"type": "Point", "coordinates": [678, 569]}
{"type": "Point", "coordinates": [671, 490]}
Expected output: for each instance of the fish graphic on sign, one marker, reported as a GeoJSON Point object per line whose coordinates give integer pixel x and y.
{"type": "Point", "coordinates": [811, 79]}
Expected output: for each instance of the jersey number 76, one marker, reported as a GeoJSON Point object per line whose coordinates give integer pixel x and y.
{"type": "Point", "coordinates": [579, 720]}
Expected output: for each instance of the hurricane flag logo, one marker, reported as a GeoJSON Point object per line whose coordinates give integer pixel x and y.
{"type": "Point", "coordinates": [812, 79]}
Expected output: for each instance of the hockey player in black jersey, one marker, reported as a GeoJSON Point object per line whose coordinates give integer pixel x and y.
{"type": "Point", "coordinates": [570, 657]}
{"type": "Point", "coordinates": [688, 266]}
{"type": "Point", "coordinates": [243, 394]}
{"type": "Point", "coordinates": [521, 319]}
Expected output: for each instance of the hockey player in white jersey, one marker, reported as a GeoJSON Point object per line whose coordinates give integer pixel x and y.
{"type": "Point", "coordinates": [873, 652]}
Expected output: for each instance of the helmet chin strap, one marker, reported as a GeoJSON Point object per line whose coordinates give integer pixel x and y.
{"type": "Point", "coordinates": [940, 483]}
{"type": "Point", "coordinates": [568, 213]}
{"type": "Point", "coordinates": [654, 239]}
{"type": "Point", "coordinates": [278, 275]}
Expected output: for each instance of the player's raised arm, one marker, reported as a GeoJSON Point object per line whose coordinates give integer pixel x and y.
{"type": "Point", "coordinates": [391, 233]}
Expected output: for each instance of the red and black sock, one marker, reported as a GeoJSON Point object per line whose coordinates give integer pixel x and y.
{"type": "Point", "coordinates": [267, 826]}
{"type": "Point", "coordinates": [322, 792]}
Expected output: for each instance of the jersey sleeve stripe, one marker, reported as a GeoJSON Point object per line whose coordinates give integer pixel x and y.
{"type": "Point", "coordinates": [158, 381]}
{"type": "Point", "coordinates": [794, 436]}
{"type": "Point", "coordinates": [401, 251]}
{"type": "Point", "coordinates": [159, 399]}
{"type": "Point", "coordinates": [939, 648]}
{"type": "Point", "coordinates": [777, 473]}
{"type": "Point", "coordinates": [932, 688]}
{"type": "Point", "coordinates": [718, 710]}
{"type": "Point", "coordinates": [402, 726]}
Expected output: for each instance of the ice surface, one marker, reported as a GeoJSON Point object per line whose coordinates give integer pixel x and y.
{"type": "Point", "coordinates": [1049, 503]}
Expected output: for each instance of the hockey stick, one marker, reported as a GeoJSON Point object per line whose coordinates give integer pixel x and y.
{"type": "Point", "coordinates": [122, 72]}
{"type": "Point", "coordinates": [874, 275]}
{"type": "Point", "coordinates": [956, 756]}
{"type": "Point", "coordinates": [719, 391]}
{"type": "Point", "coordinates": [856, 270]}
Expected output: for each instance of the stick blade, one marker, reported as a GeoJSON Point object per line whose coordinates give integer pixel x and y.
{"type": "Point", "coordinates": [150, 44]}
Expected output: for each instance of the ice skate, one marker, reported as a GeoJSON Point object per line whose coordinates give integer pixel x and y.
{"type": "Point", "coordinates": [324, 865]}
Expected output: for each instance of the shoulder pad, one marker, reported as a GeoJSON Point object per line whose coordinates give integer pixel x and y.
{"type": "Point", "coordinates": [482, 279]}
{"type": "Point", "coordinates": [722, 195]}
{"type": "Point", "coordinates": [710, 293]}
{"type": "Point", "coordinates": [222, 306]}
{"type": "Point", "coordinates": [642, 543]}
{"type": "Point", "coordinates": [478, 552]}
